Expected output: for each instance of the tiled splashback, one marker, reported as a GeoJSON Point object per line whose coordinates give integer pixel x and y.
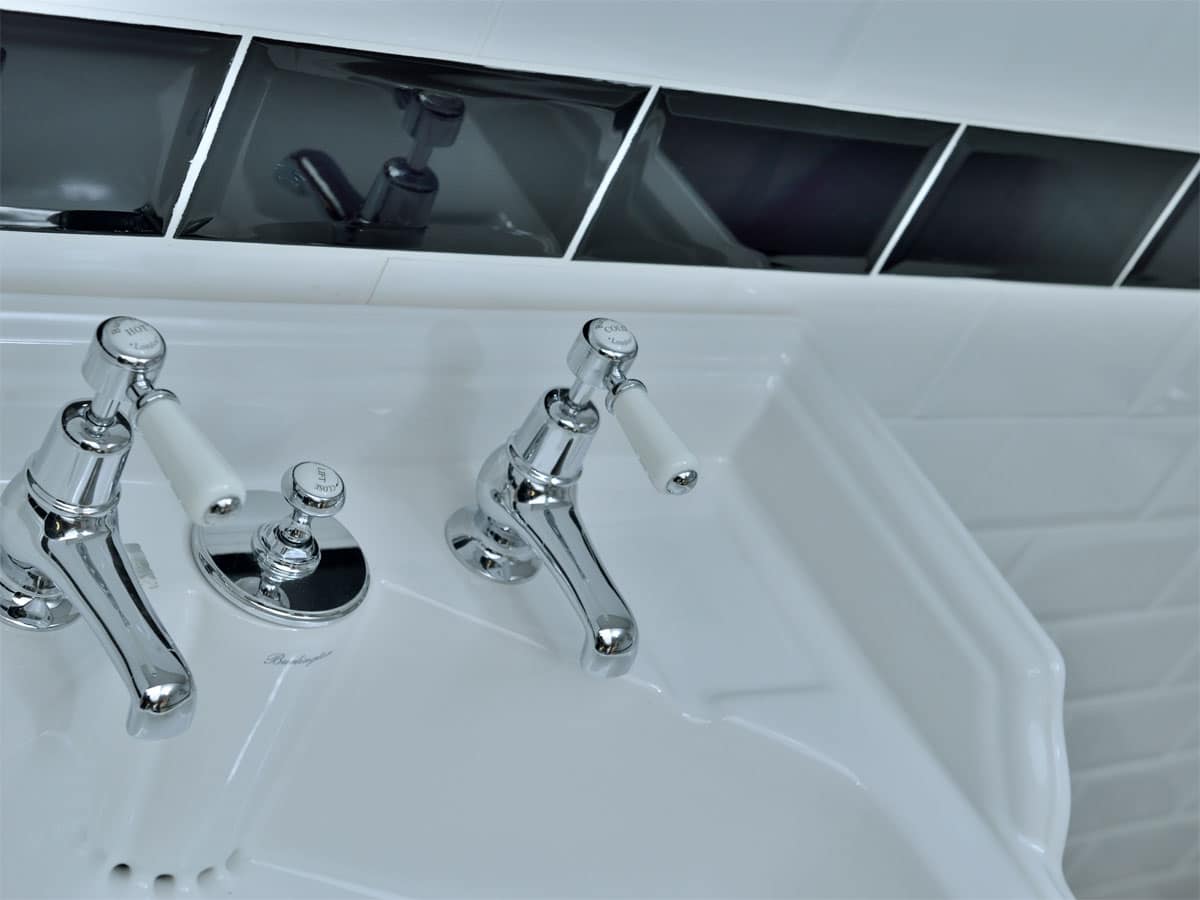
{"type": "Point", "coordinates": [1065, 432]}
{"type": "Point", "coordinates": [99, 120]}
{"type": "Point", "coordinates": [335, 146]}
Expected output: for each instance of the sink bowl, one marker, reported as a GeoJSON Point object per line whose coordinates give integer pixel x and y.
{"type": "Point", "coordinates": [835, 693]}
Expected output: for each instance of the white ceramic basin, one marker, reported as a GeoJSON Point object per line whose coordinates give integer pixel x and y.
{"type": "Point", "coordinates": [835, 695]}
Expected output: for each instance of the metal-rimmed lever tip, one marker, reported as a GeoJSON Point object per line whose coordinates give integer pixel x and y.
{"type": "Point", "coordinates": [222, 508]}
{"type": "Point", "coordinates": [670, 466]}
{"type": "Point", "coordinates": [683, 482]}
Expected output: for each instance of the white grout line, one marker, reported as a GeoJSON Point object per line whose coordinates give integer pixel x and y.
{"type": "Point", "coordinates": [491, 27]}
{"type": "Point", "coordinates": [1175, 674]}
{"type": "Point", "coordinates": [916, 410]}
{"type": "Point", "coordinates": [1157, 760]}
{"type": "Point", "coordinates": [210, 132]}
{"type": "Point", "coordinates": [1188, 572]}
{"type": "Point", "coordinates": [1140, 694]}
{"type": "Point", "coordinates": [1158, 224]}
{"type": "Point", "coordinates": [926, 187]}
{"type": "Point", "coordinates": [598, 197]}
{"type": "Point", "coordinates": [1135, 826]}
{"type": "Point", "coordinates": [1159, 496]}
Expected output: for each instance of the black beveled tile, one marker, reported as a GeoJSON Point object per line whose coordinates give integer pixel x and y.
{"type": "Point", "coordinates": [1038, 208]}
{"type": "Point", "coordinates": [1173, 257]}
{"type": "Point", "coordinates": [728, 181]}
{"type": "Point", "coordinates": [328, 146]}
{"type": "Point", "coordinates": [99, 120]}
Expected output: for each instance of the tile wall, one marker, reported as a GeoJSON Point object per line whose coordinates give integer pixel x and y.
{"type": "Point", "coordinates": [1065, 432]}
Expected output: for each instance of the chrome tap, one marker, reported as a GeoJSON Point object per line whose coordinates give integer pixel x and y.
{"type": "Point", "coordinates": [61, 554]}
{"type": "Point", "coordinates": [527, 511]}
{"type": "Point", "coordinates": [401, 198]}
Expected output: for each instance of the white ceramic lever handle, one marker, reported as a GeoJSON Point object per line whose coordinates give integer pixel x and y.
{"type": "Point", "coordinates": [671, 466]}
{"type": "Point", "coordinates": [204, 482]}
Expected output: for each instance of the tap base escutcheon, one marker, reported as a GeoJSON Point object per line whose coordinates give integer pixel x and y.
{"type": "Point", "coordinates": [488, 549]}
{"type": "Point", "coordinates": [29, 600]}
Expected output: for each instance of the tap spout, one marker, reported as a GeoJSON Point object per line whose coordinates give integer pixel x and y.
{"type": "Point", "coordinates": [544, 513]}
{"type": "Point", "coordinates": [80, 552]}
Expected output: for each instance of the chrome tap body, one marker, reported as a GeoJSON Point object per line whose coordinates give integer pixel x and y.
{"type": "Point", "coordinates": [527, 511]}
{"type": "Point", "coordinates": [528, 507]}
{"type": "Point", "coordinates": [61, 554]}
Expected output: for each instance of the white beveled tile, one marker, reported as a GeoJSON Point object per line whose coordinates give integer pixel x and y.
{"type": "Point", "coordinates": [114, 265]}
{"type": "Point", "coordinates": [465, 280]}
{"type": "Point", "coordinates": [1180, 883]}
{"type": "Point", "coordinates": [1183, 886]}
{"type": "Point", "coordinates": [1070, 354]}
{"type": "Point", "coordinates": [1146, 790]}
{"type": "Point", "coordinates": [1124, 854]}
{"type": "Point", "coordinates": [1187, 798]}
{"type": "Point", "coordinates": [1188, 672]}
{"type": "Point", "coordinates": [455, 27]}
{"type": "Point", "coordinates": [1073, 572]}
{"type": "Point", "coordinates": [1125, 652]}
{"type": "Point", "coordinates": [1191, 738]}
{"type": "Point", "coordinates": [1179, 494]}
{"type": "Point", "coordinates": [890, 345]}
{"type": "Point", "coordinates": [1002, 473]}
{"type": "Point", "coordinates": [1075, 858]}
{"type": "Point", "coordinates": [1174, 387]}
{"type": "Point", "coordinates": [1129, 727]}
{"type": "Point", "coordinates": [1005, 547]}
{"type": "Point", "coordinates": [759, 46]}
{"type": "Point", "coordinates": [1172, 78]}
{"type": "Point", "coordinates": [1184, 587]}
{"type": "Point", "coordinates": [953, 455]}
{"type": "Point", "coordinates": [1076, 470]}
{"type": "Point", "coordinates": [1059, 67]}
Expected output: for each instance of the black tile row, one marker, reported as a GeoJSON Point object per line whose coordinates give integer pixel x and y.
{"type": "Point", "coordinates": [330, 146]}
{"type": "Point", "coordinates": [325, 146]}
{"type": "Point", "coordinates": [1037, 208]}
{"type": "Point", "coordinates": [1173, 257]}
{"type": "Point", "coordinates": [99, 121]}
{"type": "Point", "coordinates": [725, 181]}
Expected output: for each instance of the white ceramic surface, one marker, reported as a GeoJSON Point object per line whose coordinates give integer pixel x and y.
{"type": "Point", "coordinates": [836, 694]}
{"type": "Point", "coordinates": [1122, 70]}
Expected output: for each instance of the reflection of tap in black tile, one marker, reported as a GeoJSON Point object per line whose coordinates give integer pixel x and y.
{"type": "Point", "coordinates": [403, 193]}
{"type": "Point", "coordinates": [432, 119]}
{"type": "Point", "coordinates": [143, 220]}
